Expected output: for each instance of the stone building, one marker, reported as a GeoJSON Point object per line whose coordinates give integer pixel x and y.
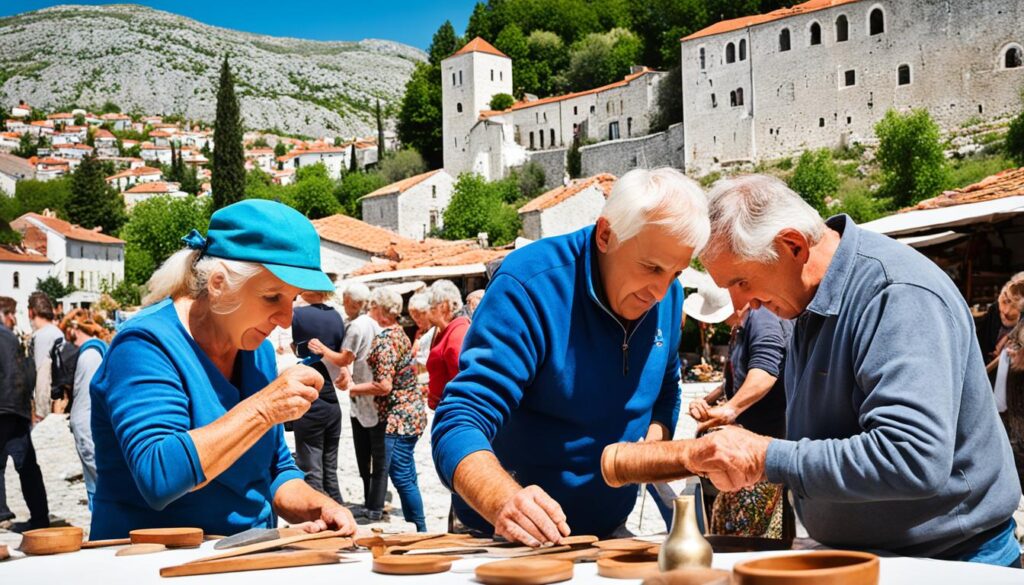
{"type": "Point", "coordinates": [412, 207]}
{"type": "Point", "coordinates": [823, 73]}
{"type": "Point", "coordinates": [566, 209]}
{"type": "Point", "coordinates": [347, 243]}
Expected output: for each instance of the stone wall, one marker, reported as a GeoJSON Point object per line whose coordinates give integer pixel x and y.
{"type": "Point", "coordinates": [553, 163]}
{"type": "Point", "coordinates": [664, 149]}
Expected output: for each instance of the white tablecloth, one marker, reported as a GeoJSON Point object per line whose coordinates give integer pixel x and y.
{"type": "Point", "coordinates": [101, 566]}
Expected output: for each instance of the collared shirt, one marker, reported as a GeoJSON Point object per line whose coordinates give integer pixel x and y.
{"type": "Point", "coordinates": [895, 443]}
{"type": "Point", "coordinates": [359, 335]}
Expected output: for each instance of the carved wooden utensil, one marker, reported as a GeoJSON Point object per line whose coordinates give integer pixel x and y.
{"type": "Point", "coordinates": [266, 546]}
{"type": "Point", "coordinates": [535, 571]}
{"type": "Point", "coordinates": [278, 560]}
{"type": "Point", "coordinates": [412, 565]}
{"type": "Point", "coordinates": [48, 541]}
{"type": "Point", "coordinates": [333, 544]}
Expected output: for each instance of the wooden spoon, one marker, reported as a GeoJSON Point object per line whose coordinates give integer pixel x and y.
{"type": "Point", "coordinates": [534, 571]}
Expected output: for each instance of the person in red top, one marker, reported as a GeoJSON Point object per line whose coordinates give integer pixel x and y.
{"type": "Point", "coordinates": [443, 362]}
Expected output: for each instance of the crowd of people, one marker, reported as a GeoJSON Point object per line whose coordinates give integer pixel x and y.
{"type": "Point", "coordinates": [884, 427]}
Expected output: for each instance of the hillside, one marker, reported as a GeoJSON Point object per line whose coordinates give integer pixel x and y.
{"type": "Point", "coordinates": [154, 62]}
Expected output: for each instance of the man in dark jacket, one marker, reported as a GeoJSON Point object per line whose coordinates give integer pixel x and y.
{"type": "Point", "coordinates": [15, 425]}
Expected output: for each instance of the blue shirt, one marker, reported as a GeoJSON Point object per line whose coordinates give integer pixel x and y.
{"type": "Point", "coordinates": [760, 342]}
{"type": "Point", "coordinates": [154, 386]}
{"type": "Point", "coordinates": [545, 383]}
{"type": "Point", "coordinates": [324, 323]}
{"type": "Point", "coordinates": [895, 443]}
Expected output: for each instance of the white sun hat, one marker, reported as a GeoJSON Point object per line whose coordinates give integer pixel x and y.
{"type": "Point", "coordinates": [709, 304]}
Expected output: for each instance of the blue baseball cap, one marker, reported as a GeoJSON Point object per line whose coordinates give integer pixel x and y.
{"type": "Point", "coordinates": [272, 234]}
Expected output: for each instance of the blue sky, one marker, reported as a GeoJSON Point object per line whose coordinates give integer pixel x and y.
{"type": "Point", "coordinates": [405, 21]}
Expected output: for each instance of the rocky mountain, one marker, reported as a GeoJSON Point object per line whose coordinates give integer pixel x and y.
{"type": "Point", "coordinates": [154, 62]}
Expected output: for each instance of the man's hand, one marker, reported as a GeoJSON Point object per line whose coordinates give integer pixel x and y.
{"type": "Point", "coordinates": [532, 518]}
{"type": "Point", "coordinates": [732, 458]}
{"type": "Point", "coordinates": [335, 517]}
{"type": "Point", "coordinates": [717, 416]}
{"type": "Point", "coordinates": [699, 410]}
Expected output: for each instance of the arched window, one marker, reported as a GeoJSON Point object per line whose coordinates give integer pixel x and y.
{"type": "Point", "coordinates": [743, 49]}
{"type": "Point", "coordinates": [739, 97]}
{"type": "Point", "coordinates": [1013, 58]}
{"type": "Point", "coordinates": [903, 75]}
{"type": "Point", "coordinates": [876, 22]}
{"type": "Point", "coordinates": [702, 59]}
{"type": "Point", "coordinates": [458, 107]}
{"type": "Point", "coordinates": [732, 99]}
{"type": "Point", "coordinates": [815, 33]}
{"type": "Point", "coordinates": [842, 29]}
{"type": "Point", "coordinates": [784, 40]}
{"type": "Point", "coordinates": [730, 53]}
{"type": "Point", "coordinates": [17, 280]}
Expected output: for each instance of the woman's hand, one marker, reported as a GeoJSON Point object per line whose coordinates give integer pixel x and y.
{"type": "Point", "coordinates": [289, 396]}
{"type": "Point", "coordinates": [344, 379]}
{"type": "Point", "coordinates": [316, 346]}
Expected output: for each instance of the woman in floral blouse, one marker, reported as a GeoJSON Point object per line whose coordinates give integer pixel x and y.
{"type": "Point", "coordinates": [399, 401]}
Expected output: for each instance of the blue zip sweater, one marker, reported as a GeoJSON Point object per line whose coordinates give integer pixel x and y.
{"type": "Point", "coordinates": [549, 377]}
{"type": "Point", "coordinates": [153, 387]}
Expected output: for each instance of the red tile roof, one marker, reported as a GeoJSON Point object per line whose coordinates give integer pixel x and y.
{"type": "Point", "coordinates": [12, 254]}
{"type": "Point", "coordinates": [153, 187]}
{"type": "Point", "coordinates": [311, 149]}
{"type": "Point", "coordinates": [604, 181]}
{"type": "Point", "coordinates": [101, 133]}
{"type": "Point", "coordinates": [754, 19]}
{"type": "Point", "coordinates": [354, 233]}
{"type": "Point", "coordinates": [60, 116]}
{"type": "Point", "coordinates": [431, 253]}
{"type": "Point", "coordinates": [1009, 183]}
{"type": "Point", "coordinates": [136, 172]}
{"type": "Point", "coordinates": [403, 185]}
{"type": "Point", "coordinates": [68, 230]}
{"type": "Point", "coordinates": [548, 100]}
{"type": "Point", "coordinates": [478, 45]}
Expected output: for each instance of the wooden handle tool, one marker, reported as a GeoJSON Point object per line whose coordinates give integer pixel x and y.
{"type": "Point", "coordinates": [646, 462]}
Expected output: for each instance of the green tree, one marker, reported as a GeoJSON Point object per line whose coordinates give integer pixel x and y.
{"type": "Point", "coordinates": [815, 178]}
{"type": "Point", "coordinates": [512, 42]}
{"type": "Point", "coordinates": [444, 43]}
{"type": "Point", "coordinates": [501, 101]}
{"type": "Point", "coordinates": [27, 148]}
{"type": "Point", "coordinates": [80, 120]}
{"type": "Point", "coordinates": [280, 149]}
{"type": "Point", "coordinates": [573, 159]}
{"type": "Point", "coordinates": [478, 206]}
{"type": "Point", "coordinates": [154, 231]}
{"type": "Point", "coordinates": [1014, 144]}
{"type": "Point", "coordinates": [549, 57]}
{"type": "Point", "coordinates": [110, 107]}
{"type": "Point", "coordinates": [602, 58]}
{"type": "Point", "coordinates": [54, 288]}
{"type": "Point", "coordinates": [38, 196]}
{"type": "Point", "coordinates": [402, 165]}
{"type": "Point", "coordinates": [669, 104]}
{"type": "Point", "coordinates": [228, 181]}
{"type": "Point", "coordinates": [94, 203]}
{"type": "Point", "coordinates": [479, 23]}
{"type": "Point", "coordinates": [911, 157]}
{"type": "Point", "coordinates": [419, 117]}
{"type": "Point", "coordinates": [380, 134]}
{"type": "Point", "coordinates": [314, 192]}
{"type": "Point", "coordinates": [530, 179]}
{"type": "Point", "coordinates": [355, 185]}
{"type": "Point", "coordinates": [352, 163]}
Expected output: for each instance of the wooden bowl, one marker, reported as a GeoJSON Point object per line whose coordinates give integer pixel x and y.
{"type": "Point", "coordinates": [169, 537]}
{"type": "Point", "coordinates": [412, 565]}
{"type": "Point", "coordinates": [836, 567]}
{"type": "Point", "coordinates": [48, 541]}
{"type": "Point", "coordinates": [527, 571]}
{"type": "Point", "coordinates": [638, 565]}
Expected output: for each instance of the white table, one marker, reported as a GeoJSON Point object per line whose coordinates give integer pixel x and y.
{"type": "Point", "coordinates": [101, 566]}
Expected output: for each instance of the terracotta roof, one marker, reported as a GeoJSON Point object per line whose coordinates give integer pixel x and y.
{"type": "Point", "coordinates": [153, 187]}
{"type": "Point", "coordinates": [101, 133]}
{"type": "Point", "coordinates": [478, 45]}
{"type": "Point", "coordinates": [160, 134]}
{"type": "Point", "coordinates": [402, 186]}
{"type": "Point", "coordinates": [60, 116]}
{"type": "Point", "coordinates": [68, 230]}
{"type": "Point", "coordinates": [259, 151]}
{"type": "Point", "coordinates": [148, 146]}
{"type": "Point", "coordinates": [1009, 183]}
{"type": "Point", "coordinates": [12, 254]}
{"type": "Point", "coordinates": [51, 161]}
{"type": "Point", "coordinates": [136, 172]}
{"type": "Point", "coordinates": [431, 253]}
{"type": "Point", "coordinates": [548, 100]}
{"type": "Point", "coordinates": [74, 147]}
{"type": "Point", "coordinates": [351, 232]}
{"type": "Point", "coordinates": [754, 19]}
{"type": "Point", "coordinates": [604, 181]}
{"type": "Point", "coordinates": [41, 123]}
{"type": "Point", "coordinates": [114, 117]}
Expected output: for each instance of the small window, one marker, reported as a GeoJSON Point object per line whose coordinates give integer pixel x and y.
{"type": "Point", "coordinates": [629, 127]}
{"type": "Point", "coordinates": [613, 131]}
{"type": "Point", "coordinates": [842, 29]}
{"type": "Point", "coordinates": [730, 53]}
{"type": "Point", "coordinates": [593, 109]}
{"type": "Point", "coordinates": [876, 22]}
{"type": "Point", "coordinates": [460, 77]}
{"type": "Point", "coordinates": [536, 117]}
{"type": "Point", "coordinates": [541, 139]}
{"type": "Point", "coordinates": [458, 107]}
{"type": "Point", "coordinates": [492, 74]}
{"type": "Point", "coordinates": [849, 120]}
{"type": "Point", "coordinates": [575, 110]}
{"type": "Point", "coordinates": [552, 137]}
{"type": "Point", "coordinates": [903, 75]}
{"type": "Point", "coordinates": [17, 280]}
{"type": "Point", "coordinates": [531, 140]}
{"type": "Point", "coordinates": [815, 33]}
{"type": "Point", "coordinates": [784, 40]}
{"type": "Point", "coordinates": [501, 76]}
{"type": "Point", "coordinates": [849, 78]}
{"type": "Point", "coordinates": [702, 59]}
{"type": "Point", "coordinates": [739, 97]}
{"type": "Point", "coordinates": [743, 49]}
{"type": "Point", "coordinates": [1013, 58]}
{"type": "Point", "coordinates": [732, 99]}
{"type": "Point", "coordinates": [714, 102]}
{"type": "Point", "coordinates": [821, 122]}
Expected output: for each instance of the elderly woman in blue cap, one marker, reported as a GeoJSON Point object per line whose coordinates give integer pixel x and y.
{"type": "Point", "coordinates": [188, 407]}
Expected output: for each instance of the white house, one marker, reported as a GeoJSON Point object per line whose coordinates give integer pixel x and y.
{"type": "Point", "coordinates": [75, 151]}
{"type": "Point", "coordinates": [412, 207]}
{"type": "Point", "coordinates": [19, 271]}
{"type": "Point", "coordinates": [22, 110]}
{"type": "Point", "coordinates": [152, 152]}
{"type": "Point", "coordinates": [284, 177]}
{"type": "Point", "coordinates": [144, 191]}
{"type": "Point", "coordinates": [106, 143]}
{"type": "Point", "coordinates": [566, 209]}
{"type": "Point", "coordinates": [51, 168]}
{"type": "Point", "coordinates": [17, 126]}
{"type": "Point", "coordinates": [347, 243]}
{"type": "Point", "coordinates": [13, 169]}
{"type": "Point", "coordinates": [261, 158]}
{"type": "Point", "coordinates": [129, 177]}
{"type": "Point", "coordinates": [118, 122]}
{"type": "Point", "coordinates": [335, 158]}
{"type": "Point", "coordinates": [82, 257]}
{"type": "Point", "coordinates": [9, 141]}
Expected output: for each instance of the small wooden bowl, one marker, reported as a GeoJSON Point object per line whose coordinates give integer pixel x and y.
{"type": "Point", "coordinates": [528, 571]}
{"type": "Point", "coordinates": [169, 537]}
{"type": "Point", "coordinates": [628, 566]}
{"type": "Point", "coordinates": [48, 541]}
{"type": "Point", "coordinates": [623, 544]}
{"type": "Point", "coordinates": [412, 565]}
{"type": "Point", "coordinates": [836, 567]}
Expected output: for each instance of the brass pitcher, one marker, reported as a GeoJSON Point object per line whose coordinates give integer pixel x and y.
{"type": "Point", "coordinates": [685, 546]}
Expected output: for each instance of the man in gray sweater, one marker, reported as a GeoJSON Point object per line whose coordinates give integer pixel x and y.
{"type": "Point", "coordinates": [893, 440]}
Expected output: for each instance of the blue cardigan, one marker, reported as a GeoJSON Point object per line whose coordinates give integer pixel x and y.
{"type": "Point", "coordinates": [153, 387]}
{"type": "Point", "coordinates": [545, 383]}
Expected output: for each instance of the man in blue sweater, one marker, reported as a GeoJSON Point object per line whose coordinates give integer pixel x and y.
{"type": "Point", "coordinates": [893, 438]}
{"type": "Point", "coordinates": [571, 349]}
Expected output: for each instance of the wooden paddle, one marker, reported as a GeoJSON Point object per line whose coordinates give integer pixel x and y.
{"type": "Point", "coordinates": [278, 560]}
{"type": "Point", "coordinates": [268, 545]}
{"type": "Point", "coordinates": [335, 544]}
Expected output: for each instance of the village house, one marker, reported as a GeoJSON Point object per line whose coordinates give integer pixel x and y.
{"type": "Point", "coordinates": [335, 158]}
{"type": "Point", "coordinates": [48, 168]}
{"type": "Point", "coordinates": [20, 270]}
{"type": "Point", "coordinates": [261, 158]}
{"type": "Point", "coordinates": [153, 152]}
{"type": "Point", "coordinates": [9, 141]}
{"type": "Point", "coordinates": [22, 110]}
{"type": "Point", "coordinates": [61, 119]}
{"type": "Point", "coordinates": [143, 191]}
{"type": "Point", "coordinates": [19, 127]}
{"type": "Point", "coordinates": [347, 243]}
{"type": "Point", "coordinates": [413, 207]}
{"type": "Point", "coordinates": [567, 208]}
{"type": "Point", "coordinates": [72, 151]}
{"type": "Point", "coordinates": [119, 122]}
{"type": "Point", "coordinates": [13, 169]}
{"type": "Point", "coordinates": [106, 143]}
{"type": "Point", "coordinates": [132, 176]}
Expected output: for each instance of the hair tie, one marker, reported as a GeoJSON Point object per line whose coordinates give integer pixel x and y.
{"type": "Point", "coordinates": [195, 241]}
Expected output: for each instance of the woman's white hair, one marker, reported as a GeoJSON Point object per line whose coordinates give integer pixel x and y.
{"type": "Point", "coordinates": [388, 300]}
{"type": "Point", "coordinates": [357, 292]}
{"type": "Point", "coordinates": [748, 212]}
{"type": "Point", "coordinates": [419, 302]}
{"type": "Point", "coordinates": [445, 290]}
{"type": "Point", "coordinates": [184, 274]}
{"type": "Point", "coordinates": [664, 197]}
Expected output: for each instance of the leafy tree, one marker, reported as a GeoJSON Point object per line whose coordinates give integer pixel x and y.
{"type": "Point", "coordinates": [530, 179]}
{"type": "Point", "coordinates": [444, 43]}
{"type": "Point", "coordinates": [602, 58]}
{"type": "Point", "coordinates": [419, 117]}
{"type": "Point", "coordinates": [110, 107]}
{"type": "Point", "coordinates": [154, 231]}
{"type": "Point", "coordinates": [9, 211]}
{"type": "Point", "coordinates": [314, 192]}
{"type": "Point", "coordinates": [228, 181]}
{"type": "Point", "coordinates": [549, 57]}
{"type": "Point", "coordinates": [80, 120]}
{"type": "Point", "coordinates": [479, 23]}
{"type": "Point", "coordinates": [501, 101]}
{"type": "Point", "coordinates": [815, 177]}
{"type": "Point", "coordinates": [54, 288]}
{"type": "Point", "coordinates": [94, 203]}
{"type": "Point", "coordinates": [355, 185]}
{"type": "Point", "coordinates": [280, 149]}
{"type": "Point", "coordinates": [860, 205]}
{"type": "Point", "coordinates": [260, 142]}
{"type": "Point", "coordinates": [574, 160]}
{"type": "Point", "coordinates": [37, 196]}
{"type": "Point", "coordinates": [1014, 144]}
{"type": "Point", "coordinates": [27, 148]}
{"type": "Point", "coordinates": [478, 206]}
{"type": "Point", "coordinates": [669, 101]}
{"type": "Point", "coordinates": [380, 135]}
{"type": "Point", "coordinates": [512, 42]}
{"type": "Point", "coordinates": [911, 158]}
{"type": "Point", "coordinates": [402, 165]}
{"type": "Point", "coordinates": [352, 163]}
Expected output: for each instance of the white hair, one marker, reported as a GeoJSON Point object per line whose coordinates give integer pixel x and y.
{"type": "Point", "coordinates": [419, 302]}
{"type": "Point", "coordinates": [748, 212]}
{"type": "Point", "coordinates": [388, 300]}
{"type": "Point", "coordinates": [185, 274]}
{"type": "Point", "coordinates": [663, 197]}
{"type": "Point", "coordinates": [445, 290]}
{"type": "Point", "coordinates": [357, 292]}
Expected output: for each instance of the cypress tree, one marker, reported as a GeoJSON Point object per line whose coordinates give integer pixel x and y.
{"type": "Point", "coordinates": [93, 202]}
{"type": "Point", "coordinates": [352, 159]}
{"type": "Point", "coordinates": [228, 181]}
{"type": "Point", "coordinates": [380, 135]}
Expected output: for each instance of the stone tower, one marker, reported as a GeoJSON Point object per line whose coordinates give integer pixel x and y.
{"type": "Point", "coordinates": [469, 78]}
